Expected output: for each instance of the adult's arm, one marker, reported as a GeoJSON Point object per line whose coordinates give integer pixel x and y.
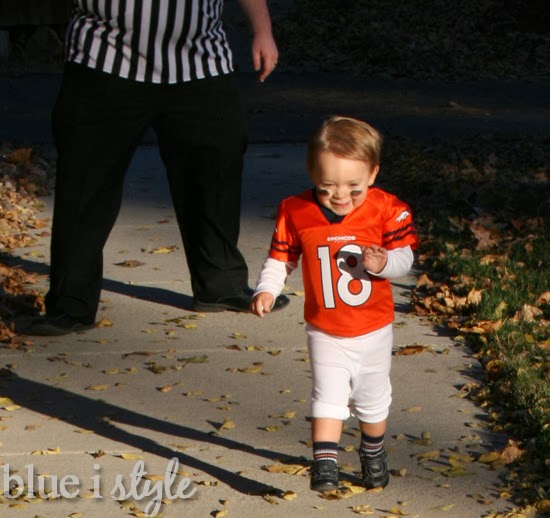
{"type": "Point", "coordinates": [264, 48]}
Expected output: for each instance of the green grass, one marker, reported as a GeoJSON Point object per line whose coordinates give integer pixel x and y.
{"type": "Point", "coordinates": [495, 189]}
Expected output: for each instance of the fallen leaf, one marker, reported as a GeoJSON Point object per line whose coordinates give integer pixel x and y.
{"type": "Point", "coordinates": [228, 424]}
{"type": "Point", "coordinates": [413, 409]}
{"type": "Point", "coordinates": [130, 263]}
{"type": "Point", "coordinates": [411, 349]}
{"type": "Point", "coordinates": [104, 322]}
{"type": "Point", "coordinates": [163, 250]}
{"type": "Point", "coordinates": [131, 456]}
{"type": "Point", "coordinates": [97, 387]}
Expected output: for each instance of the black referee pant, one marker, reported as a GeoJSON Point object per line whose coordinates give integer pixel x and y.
{"type": "Point", "coordinates": [98, 122]}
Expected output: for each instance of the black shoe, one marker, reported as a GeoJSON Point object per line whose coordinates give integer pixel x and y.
{"type": "Point", "coordinates": [57, 326]}
{"type": "Point", "coordinates": [239, 303]}
{"type": "Point", "coordinates": [324, 475]}
{"type": "Point", "coordinates": [375, 469]}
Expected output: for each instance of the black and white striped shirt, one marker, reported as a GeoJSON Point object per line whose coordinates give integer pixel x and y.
{"type": "Point", "coordinates": [158, 41]}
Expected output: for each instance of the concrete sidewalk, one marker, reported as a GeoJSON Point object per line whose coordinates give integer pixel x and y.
{"type": "Point", "coordinates": [226, 394]}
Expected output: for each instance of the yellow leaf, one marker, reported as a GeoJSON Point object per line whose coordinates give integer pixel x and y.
{"type": "Point", "coordinates": [194, 393]}
{"type": "Point", "coordinates": [457, 471]}
{"type": "Point", "coordinates": [413, 409]}
{"type": "Point", "coordinates": [58, 378]}
{"type": "Point", "coordinates": [444, 507]}
{"type": "Point", "coordinates": [254, 348]}
{"type": "Point", "coordinates": [164, 249]}
{"type": "Point", "coordinates": [97, 387]}
{"type": "Point", "coordinates": [5, 401]}
{"type": "Point", "coordinates": [289, 495]}
{"type": "Point", "coordinates": [357, 489]}
{"type": "Point", "coordinates": [131, 456]}
{"type": "Point", "coordinates": [488, 458]}
{"type": "Point", "coordinates": [110, 371]}
{"type": "Point", "coordinates": [252, 370]}
{"type": "Point", "coordinates": [11, 408]}
{"type": "Point", "coordinates": [220, 514]}
{"type": "Point", "coordinates": [397, 511]}
{"type": "Point", "coordinates": [270, 428]}
{"type": "Point", "coordinates": [47, 452]}
{"type": "Point", "coordinates": [228, 424]}
{"type": "Point", "coordinates": [429, 454]}
{"type": "Point", "coordinates": [363, 510]}
{"type": "Point", "coordinates": [189, 326]}
{"type": "Point", "coordinates": [104, 322]}
{"type": "Point", "coordinates": [165, 388]}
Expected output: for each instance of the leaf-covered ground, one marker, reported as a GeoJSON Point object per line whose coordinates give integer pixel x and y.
{"type": "Point", "coordinates": [24, 176]}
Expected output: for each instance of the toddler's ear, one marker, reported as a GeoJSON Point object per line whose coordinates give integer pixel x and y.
{"type": "Point", "coordinates": [373, 174]}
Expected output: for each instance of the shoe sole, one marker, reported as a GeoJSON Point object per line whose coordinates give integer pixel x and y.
{"type": "Point", "coordinates": [213, 307]}
{"type": "Point", "coordinates": [205, 307]}
{"type": "Point", "coordinates": [49, 330]}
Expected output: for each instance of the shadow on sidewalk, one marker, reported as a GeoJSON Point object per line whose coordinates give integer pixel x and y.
{"type": "Point", "coordinates": [102, 418]}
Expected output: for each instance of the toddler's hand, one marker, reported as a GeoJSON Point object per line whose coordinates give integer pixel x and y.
{"type": "Point", "coordinates": [261, 303]}
{"type": "Point", "coordinates": [374, 258]}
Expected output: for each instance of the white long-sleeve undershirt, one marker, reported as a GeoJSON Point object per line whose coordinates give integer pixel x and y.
{"type": "Point", "coordinates": [274, 273]}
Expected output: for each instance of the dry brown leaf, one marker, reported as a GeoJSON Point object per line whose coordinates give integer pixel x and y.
{"type": "Point", "coordinates": [424, 281]}
{"type": "Point", "coordinates": [411, 349]}
{"type": "Point", "coordinates": [527, 313]}
{"type": "Point", "coordinates": [511, 452]}
{"type": "Point", "coordinates": [19, 155]}
{"type": "Point", "coordinates": [130, 263]}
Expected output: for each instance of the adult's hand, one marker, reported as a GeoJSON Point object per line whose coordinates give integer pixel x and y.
{"type": "Point", "coordinates": [264, 48]}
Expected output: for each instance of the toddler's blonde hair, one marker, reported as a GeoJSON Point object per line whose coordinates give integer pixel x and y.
{"type": "Point", "coordinates": [345, 137]}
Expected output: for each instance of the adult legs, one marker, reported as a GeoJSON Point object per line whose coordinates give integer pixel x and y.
{"type": "Point", "coordinates": [98, 121]}
{"type": "Point", "coordinates": [202, 140]}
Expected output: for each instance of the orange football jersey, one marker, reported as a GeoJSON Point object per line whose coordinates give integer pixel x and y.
{"type": "Point", "coordinates": [341, 298]}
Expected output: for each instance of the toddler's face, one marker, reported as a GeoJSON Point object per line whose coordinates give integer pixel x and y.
{"type": "Point", "coordinates": [342, 183]}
